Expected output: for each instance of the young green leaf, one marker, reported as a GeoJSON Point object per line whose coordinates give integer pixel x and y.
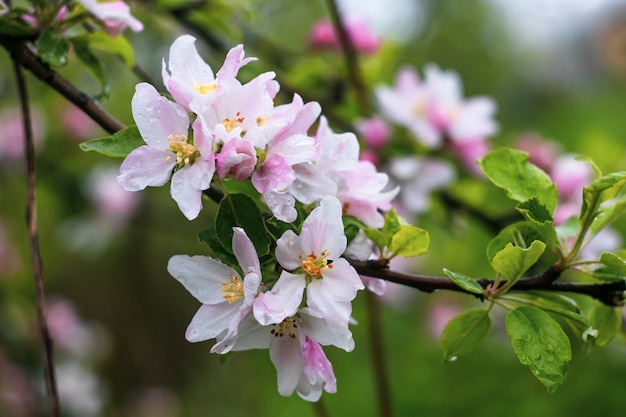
{"type": "Point", "coordinates": [118, 45]}
{"type": "Point", "coordinates": [467, 283]}
{"type": "Point", "coordinates": [410, 241]}
{"type": "Point", "coordinates": [614, 268]}
{"type": "Point", "coordinates": [16, 29]}
{"type": "Point", "coordinates": [608, 213]}
{"type": "Point", "coordinates": [84, 53]}
{"type": "Point", "coordinates": [53, 48]}
{"type": "Point", "coordinates": [510, 170]}
{"type": "Point", "coordinates": [520, 234]}
{"type": "Point", "coordinates": [463, 333]}
{"type": "Point", "coordinates": [607, 321]}
{"type": "Point", "coordinates": [540, 343]}
{"type": "Point", "coordinates": [118, 145]}
{"type": "Point", "coordinates": [239, 210]}
{"type": "Point", "coordinates": [601, 190]}
{"type": "Point", "coordinates": [513, 261]}
{"type": "Point", "coordinates": [209, 236]}
{"type": "Point", "coordinates": [377, 237]}
{"type": "Point", "coordinates": [391, 226]}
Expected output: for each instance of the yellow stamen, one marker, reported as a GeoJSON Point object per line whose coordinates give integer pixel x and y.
{"type": "Point", "coordinates": [230, 124]}
{"type": "Point", "coordinates": [314, 265]}
{"type": "Point", "coordinates": [204, 89]}
{"type": "Point", "coordinates": [184, 151]}
{"type": "Point", "coordinates": [232, 290]}
{"type": "Point", "coordinates": [286, 326]}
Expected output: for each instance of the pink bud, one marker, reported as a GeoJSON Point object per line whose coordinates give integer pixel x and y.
{"type": "Point", "coordinates": [374, 131]}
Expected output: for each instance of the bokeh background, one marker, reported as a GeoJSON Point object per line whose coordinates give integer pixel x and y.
{"type": "Point", "coordinates": [557, 69]}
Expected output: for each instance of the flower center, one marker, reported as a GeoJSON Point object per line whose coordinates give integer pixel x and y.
{"type": "Point", "coordinates": [314, 265]}
{"type": "Point", "coordinates": [230, 124]}
{"type": "Point", "coordinates": [204, 89]}
{"type": "Point", "coordinates": [285, 327]}
{"type": "Point", "coordinates": [262, 120]}
{"type": "Point", "coordinates": [185, 152]}
{"type": "Point", "coordinates": [232, 290]}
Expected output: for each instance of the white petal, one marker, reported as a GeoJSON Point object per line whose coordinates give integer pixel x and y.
{"type": "Point", "coordinates": [201, 276]}
{"type": "Point", "coordinates": [210, 321]}
{"type": "Point", "coordinates": [143, 167]}
{"type": "Point", "coordinates": [282, 301]}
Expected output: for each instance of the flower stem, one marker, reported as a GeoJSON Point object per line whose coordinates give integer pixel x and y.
{"type": "Point", "coordinates": [31, 218]}
{"type": "Point", "coordinates": [319, 408]}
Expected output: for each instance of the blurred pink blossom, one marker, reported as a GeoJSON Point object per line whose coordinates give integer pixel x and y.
{"type": "Point", "coordinates": [77, 124]}
{"type": "Point", "coordinates": [439, 314]}
{"type": "Point", "coordinates": [374, 131]}
{"type": "Point", "coordinates": [12, 146]}
{"type": "Point", "coordinates": [9, 257]}
{"type": "Point", "coordinates": [115, 15]}
{"type": "Point", "coordinates": [323, 35]}
{"type": "Point", "coordinates": [108, 196]}
{"type": "Point", "coordinates": [541, 152]}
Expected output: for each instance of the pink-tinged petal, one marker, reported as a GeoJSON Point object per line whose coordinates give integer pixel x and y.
{"type": "Point", "coordinates": [210, 321]}
{"type": "Point", "coordinates": [331, 295]}
{"type": "Point", "coordinates": [251, 335]}
{"type": "Point", "coordinates": [145, 166]}
{"type": "Point", "coordinates": [407, 79]}
{"type": "Point", "coordinates": [186, 64]}
{"type": "Point", "coordinates": [375, 285]}
{"type": "Point", "coordinates": [374, 131]}
{"type": "Point", "coordinates": [282, 205]}
{"type": "Point", "coordinates": [289, 251]}
{"type": "Point", "coordinates": [187, 186]}
{"type": "Point", "coordinates": [317, 370]}
{"type": "Point", "coordinates": [296, 148]}
{"type": "Point", "coordinates": [245, 252]}
{"type": "Point", "coordinates": [303, 119]}
{"type": "Point", "coordinates": [323, 230]}
{"type": "Point", "coordinates": [328, 331]}
{"type": "Point", "coordinates": [286, 355]}
{"type": "Point", "coordinates": [311, 184]}
{"type": "Point", "coordinates": [237, 158]}
{"type": "Point", "coordinates": [201, 276]}
{"type": "Point", "coordinates": [251, 284]}
{"type": "Point", "coordinates": [202, 140]}
{"type": "Point", "coordinates": [157, 117]}
{"type": "Point", "coordinates": [275, 174]}
{"type": "Point", "coordinates": [233, 62]}
{"type": "Point", "coordinates": [227, 339]}
{"type": "Point", "coordinates": [474, 121]}
{"type": "Point", "coordinates": [282, 301]}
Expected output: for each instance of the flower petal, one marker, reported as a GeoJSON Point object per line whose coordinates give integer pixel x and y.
{"type": "Point", "coordinates": [143, 167]}
{"type": "Point", "coordinates": [201, 276]}
{"type": "Point", "coordinates": [210, 321]}
{"type": "Point", "coordinates": [281, 301]}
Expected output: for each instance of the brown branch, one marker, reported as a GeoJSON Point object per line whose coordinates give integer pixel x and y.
{"type": "Point", "coordinates": [611, 293]}
{"type": "Point", "coordinates": [21, 53]}
{"type": "Point", "coordinates": [33, 235]}
{"type": "Point", "coordinates": [352, 60]}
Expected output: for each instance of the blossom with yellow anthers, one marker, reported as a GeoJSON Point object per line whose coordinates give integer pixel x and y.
{"type": "Point", "coordinates": [185, 152]}
{"type": "Point", "coordinates": [204, 89]}
{"type": "Point", "coordinates": [230, 124]}
{"type": "Point", "coordinates": [314, 265]}
{"type": "Point", "coordinates": [262, 120]}
{"type": "Point", "coordinates": [232, 290]}
{"type": "Point", "coordinates": [285, 327]}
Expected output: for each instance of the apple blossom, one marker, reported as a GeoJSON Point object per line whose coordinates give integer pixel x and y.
{"type": "Point", "coordinates": [226, 298]}
{"type": "Point", "coordinates": [314, 260]}
{"type": "Point", "coordinates": [115, 15]}
{"type": "Point", "coordinates": [164, 126]}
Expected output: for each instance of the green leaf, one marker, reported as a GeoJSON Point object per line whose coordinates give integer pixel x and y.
{"type": "Point", "coordinates": [118, 145]}
{"type": "Point", "coordinates": [391, 226]}
{"type": "Point", "coordinates": [513, 261]}
{"type": "Point", "coordinates": [467, 283]}
{"type": "Point", "coordinates": [463, 333]}
{"type": "Point", "coordinates": [607, 214]}
{"type": "Point", "coordinates": [118, 46]}
{"type": "Point", "coordinates": [596, 171]}
{"type": "Point", "coordinates": [410, 241]}
{"type": "Point", "coordinates": [533, 210]}
{"type": "Point", "coordinates": [601, 190]}
{"type": "Point", "coordinates": [510, 170]}
{"type": "Point", "coordinates": [607, 321]}
{"type": "Point", "coordinates": [519, 234]}
{"type": "Point", "coordinates": [351, 227]}
{"type": "Point", "coordinates": [540, 343]}
{"type": "Point", "coordinates": [377, 237]}
{"type": "Point", "coordinates": [614, 268]}
{"type": "Point", "coordinates": [15, 29]}
{"type": "Point", "coordinates": [553, 303]}
{"type": "Point", "coordinates": [239, 210]}
{"type": "Point", "coordinates": [209, 236]}
{"type": "Point", "coordinates": [83, 52]}
{"type": "Point", "coordinates": [53, 49]}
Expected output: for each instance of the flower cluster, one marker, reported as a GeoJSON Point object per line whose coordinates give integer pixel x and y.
{"type": "Point", "coordinates": [308, 306]}
{"type": "Point", "coordinates": [219, 127]}
{"type": "Point", "coordinates": [434, 111]}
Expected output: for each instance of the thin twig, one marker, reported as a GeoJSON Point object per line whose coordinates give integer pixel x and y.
{"type": "Point", "coordinates": [352, 60]}
{"type": "Point", "coordinates": [378, 355]}
{"type": "Point", "coordinates": [320, 409]}
{"type": "Point", "coordinates": [31, 219]}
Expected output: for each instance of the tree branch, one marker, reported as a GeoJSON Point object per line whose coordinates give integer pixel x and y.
{"type": "Point", "coordinates": [21, 53]}
{"type": "Point", "coordinates": [33, 235]}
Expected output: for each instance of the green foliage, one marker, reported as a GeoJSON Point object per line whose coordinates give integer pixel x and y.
{"type": "Point", "coordinates": [84, 53]}
{"type": "Point", "coordinates": [239, 210]}
{"type": "Point", "coordinates": [510, 170]}
{"type": "Point", "coordinates": [596, 193]}
{"type": "Point", "coordinates": [540, 343]}
{"type": "Point", "coordinates": [464, 332]}
{"type": "Point", "coordinates": [118, 46]}
{"type": "Point", "coordinates": [53, 48]}
{"type": "Point", "coordinates": [519, 234]}
{"type": "Point", "coordinates": [614, 268]}
{"type": "Point", "coordinates": [465, 282]}
{"type": "Point", "coordinates": [607, 321]}
{"type": "Point", "coordinates": [209, 236]}
{"type": "Point", "coordinates": [397, 238]}
{"type": "Point", "coordinates": [118, 145]}
{"type": "Point", "coordinates": [13, 28]}
{"type": "Point", "coordinates": [513, 261]}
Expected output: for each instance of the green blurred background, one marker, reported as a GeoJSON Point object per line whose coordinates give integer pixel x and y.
{"type": "Point", "coordinates": [569, 86]}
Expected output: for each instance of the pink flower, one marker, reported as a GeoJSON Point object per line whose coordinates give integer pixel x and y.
{"type": "Point", "coordinates": [191, 79]}
{"type": "Point", "coordinates": [374, 131]}
{"type": "Point", "coordinates": [12, 139]}
{"type": "Point", "coordinates": [114, 14]}
{"type": "Point", "coordinates": [109, 198]}
{"type": "Point", "coordinates": [314, 257]}
{"type": "Point", "coordinates": [226, 298]}
{"type": "Point", "coordinates": [323, 35]}
{"type": "Point", "coordinates": [164, 125]}
{"type": "Point", "coordinates": [542, 153]}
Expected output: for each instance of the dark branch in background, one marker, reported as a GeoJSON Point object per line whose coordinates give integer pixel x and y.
{"type": "Point", "coordinates": [494, 224]}
{"type": "Point", "coordinates": [22, 54]}
{"type": "Point", "coordinates": [352, 61]}
{"type": "Point", "coordinates": [33, 237]}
